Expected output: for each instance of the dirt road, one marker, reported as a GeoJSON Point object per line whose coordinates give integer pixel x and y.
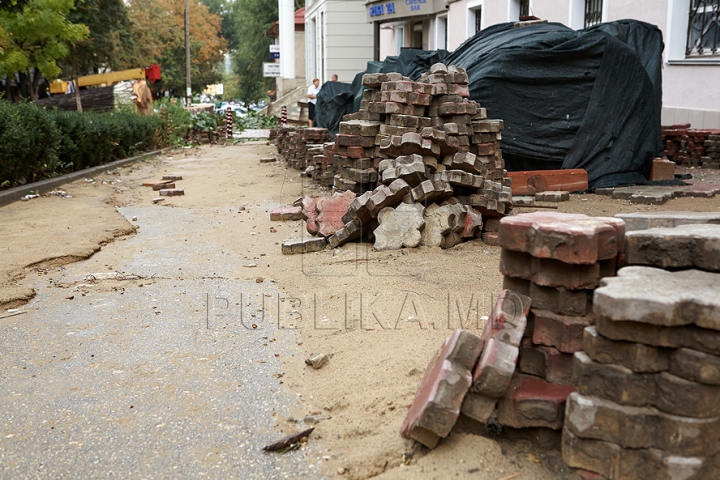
{"type": "Point", "coordinates": [168, 339]}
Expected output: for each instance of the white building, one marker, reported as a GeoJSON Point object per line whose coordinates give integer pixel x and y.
{"type": "Point", "coordinates": [338, 40]}
{"type": "Point", "coordinates": [691, 69]}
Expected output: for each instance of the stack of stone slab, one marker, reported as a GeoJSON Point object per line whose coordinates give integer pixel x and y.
{"type": "Point", "coordinates": [648, 380]}
{"type": "Point", "coordinates": [298, 146]}
{"type": "Point", "coordinates": [712, 151]}
{"type": "Point", "coordinates": [557, 260]}
{"type": "Point", "coordinates": [324, 171]}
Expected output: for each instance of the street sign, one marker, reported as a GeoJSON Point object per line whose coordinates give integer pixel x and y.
{"type": "Point", "coordinates": [271, 69]}
{"type": "Point", "coordinates": [274, 52]}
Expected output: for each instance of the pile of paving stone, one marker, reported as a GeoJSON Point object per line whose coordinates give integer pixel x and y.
{"type": "Point", "coordinates": [692, 147]}
{"type": "Point", "coordinates": [298, 146]}
{"type": "Point", "coordinates": [519, 372]}
{"type": "Point", "coordinates": [648, 380]}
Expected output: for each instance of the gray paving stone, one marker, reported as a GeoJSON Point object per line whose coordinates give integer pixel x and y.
{"type": "Point", "coordinates": [641, 427]}
{"type": "Point", "coordinates": [645, 220]}
{"type": "Point", "coordinates": [399, 227]}
{"type": "Point", "coordinates": [638, 357]}
{"type": "Point", "coordinates": [303, 245]}
{"type": "Point", "coordinates": [658, 297]}
{"type": "Point", "coordinates": [687, 246]}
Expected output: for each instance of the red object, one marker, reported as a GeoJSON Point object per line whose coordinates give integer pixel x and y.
{"type": "Point", "coordinates": [152, 73]}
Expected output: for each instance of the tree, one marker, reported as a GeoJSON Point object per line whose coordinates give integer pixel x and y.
{"type": "Point", "coordinates": [37, 34]}
{"type": "Point", "coordinates": [158, 32]}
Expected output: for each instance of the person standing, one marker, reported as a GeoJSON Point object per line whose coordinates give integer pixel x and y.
{"type": "Point", "coordinates": [312, 92]}
{"type": "Point", "coordinates": [334, 78]}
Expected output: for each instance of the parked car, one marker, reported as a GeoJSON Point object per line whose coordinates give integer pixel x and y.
{"type": "Point", "coordinates": [239, 110]}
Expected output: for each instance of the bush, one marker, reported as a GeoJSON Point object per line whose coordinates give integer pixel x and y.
{"type": "Point", "coordinates": [176, 121]}
{"type": "Point", "coordinates": [36, 143]}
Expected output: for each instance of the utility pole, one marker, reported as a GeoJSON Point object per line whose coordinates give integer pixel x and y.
{"type": "Point", "coordinates": [188, 89]}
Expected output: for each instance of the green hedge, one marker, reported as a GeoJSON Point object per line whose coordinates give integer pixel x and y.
{"type": "Point", "coordinates": [36, 143]}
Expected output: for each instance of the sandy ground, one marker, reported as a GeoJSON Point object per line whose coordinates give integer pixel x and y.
{"type": "Point", "coordinates": [379, 315]}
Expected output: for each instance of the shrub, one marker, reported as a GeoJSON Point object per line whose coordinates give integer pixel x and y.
{"type": "Point", "coordinates": [36, 143]}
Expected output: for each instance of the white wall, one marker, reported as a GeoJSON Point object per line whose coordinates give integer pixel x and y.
{"type": "Point", "coordinates": [348, 40]}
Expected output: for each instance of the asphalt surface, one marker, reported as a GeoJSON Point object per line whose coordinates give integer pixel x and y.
{"type": "Point", "coordinates": [164, 380]}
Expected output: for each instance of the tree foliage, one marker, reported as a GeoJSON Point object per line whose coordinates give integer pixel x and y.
{"type": "Point", "coordinates": [159, 37]}
{"type": "Point", "coordinates": [35, 35]}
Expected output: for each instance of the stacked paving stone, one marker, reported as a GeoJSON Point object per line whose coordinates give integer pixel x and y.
{"type": "Point", "coordinates": [692, 147]}
{"type": "Point", "coordinates": [557, 260]}
{"type": "Point", "coordinates": [421, 143]}
{"type": "Point", "coordinates": [298, 146]}
{"type": "Point", "coordinates": [712, 151]}
{"type": "Point", "coordinates": [648, 380]}
{"type": "Point", "coordinates": [324, 170]}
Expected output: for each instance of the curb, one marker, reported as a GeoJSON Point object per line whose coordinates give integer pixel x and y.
{"type": "Point", "coordinates": [44, 186]}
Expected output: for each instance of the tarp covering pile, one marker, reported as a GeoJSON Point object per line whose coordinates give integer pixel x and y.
{"type": "Point", "coordinates": [586, 99]}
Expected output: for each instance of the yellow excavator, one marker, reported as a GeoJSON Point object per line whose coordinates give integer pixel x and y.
{"type": "Point", "coordinates": [59, 87]}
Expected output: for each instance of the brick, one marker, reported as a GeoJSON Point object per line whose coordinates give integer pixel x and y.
{"type": "Point", "coordinates": [553, 273]}
{"type": "Point", "coordinates": [508, 320]}
{"type": "Point", "coordinates": [409, 168]}
{"type": "Point", "coordinates": [163, 186]}
{"type": "Point", "coordinates": [473, 224]}
{"type": "Point", "coordinates": [523, 201]}
{"type": "Point", "coordinates": [431, 191]}
{"type": "Point", "coordinates": [303, 245]}
{"type": "Point", "coordinates": [394, 130]}
{"type": "Point", "coordinates": [557, 300]}
{"type": "Point", "coordinates": [344, 140]}
{"type": "Point", "coordinates": [641, 427]}
{"type": "Point", "coordinates": [563, 332]}
{"type": "Point", "coordinates": [399, 227]}
{"type": "Point", "coordinates": [387, 196]}
{"type": "Point", "coordinates": [359, 127]}
{"type": "Point", "coordinates": [467, 162]}
{"type": "Point", "coordinates": [673, 337]}
{"type": "Point", "coordinates": [548, 363]}
{"type": "Point", "coordinates": [157, 184]}
{"type": "Point", "coordinates": [478, 407]}
{"type": "Point", "coordinates": [358, 210]}
{"type": "Point", "coordinates": [645, 220]}
{"type": "Point", "coordinates": [286, 213]}
{"type": "Point", "coordinates": [665, 391]}
{"type": "Point", "coordinates": [351, 231]}
{"type": "Point", "coordinates": [533, 402]}
{"type": "Point", "coordinates": [658, 297]}
{"type": "Point", "coordinates": [689, 246]}
{"type": "Point", "coordinates": [617, 463]}
{"type": "Point", "coordinates": [374, 80]}
{"type": "Point", "coordinates": [172, 192]}
{"type": "Point", "coordinates": [662, 170]}
{"type": "Point", "coordinates": [330, 212]}
{"type": "Point", "coordinates": [490, 238]}
{"type": "Point", "coordinates": [437, 403]}
{"type": "Point", "coordinates": [494, 371]}
{"type": "Point", "coordinates": [173, 177]}
{"type": "Point", "coordinates": [310, 213]}
{"type": "Point", "coordinates": [552, 196]}
{"type": "Point", "coordinates": [570, 238]}
{"type": "Point", "coordinates": [459, 178]}
{"type": "Point", "coordinates": [456, 89]}
{"type": "Point", "coordinates": [638, 357]}
{"type": "Point", "coordinates": [531, 182]}
{"type": "Point", "coordinates": [492, 225]}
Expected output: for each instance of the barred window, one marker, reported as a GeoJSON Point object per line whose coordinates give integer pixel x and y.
{"type": "Point", "coordinates": [478, 19]}
{"type": "Point", "coordinates": [703, 36]}
{"type": "Point", "coordinates": [593, 12]}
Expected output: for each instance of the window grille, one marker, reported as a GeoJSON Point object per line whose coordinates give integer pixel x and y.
{"type": "Point", "coordinates": [593, 12]}
{"type": "Point", "coordinates": [703, 28]}
{"type": "Point", "coordinates": [478, 19]}
{"type": "Point", "coordinates": [524, 8]}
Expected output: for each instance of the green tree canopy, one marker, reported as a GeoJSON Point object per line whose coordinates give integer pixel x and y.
{"type": "Point", "coordinates": [36, 35]}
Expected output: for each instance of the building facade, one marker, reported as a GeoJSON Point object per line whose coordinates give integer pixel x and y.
{"type": "Point", "coordinates": [338, 40]}
{"type": "Point", "coordinates": [691, 32]}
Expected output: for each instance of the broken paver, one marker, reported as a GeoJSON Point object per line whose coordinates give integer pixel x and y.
{"type": "Point", "coordinates": [286, 213]}
{"type": "Point", "coordinates": [303, 245]}
{"type": "Point", "coordinates": [494, 371]}
{"type": "Point", "coordinates": [310, 213]}
{"type": "Point", "coordinates": [400, 227]}
{"type": "Point", "coordinates": [570, 238]}
{"type": "Point", "coordinates": [688, 246]}
{"type": "Point", "coordinates": [440, 221]}
{"type": "Point", "coordinates": [508, 319]}
{"type": "Point", "coordinates": [437, 403]}
{"type": "Point", "coordinates": [658, 297]}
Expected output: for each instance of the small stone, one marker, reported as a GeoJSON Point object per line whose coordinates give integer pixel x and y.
{"type": "Point", "coordinates": [317, 360]}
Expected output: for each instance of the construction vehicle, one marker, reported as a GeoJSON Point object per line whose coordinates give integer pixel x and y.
{"type": "Point", "coordinates": [152, 73]}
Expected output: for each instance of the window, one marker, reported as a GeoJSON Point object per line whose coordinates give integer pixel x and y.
{"type": "Point", "coordinates": [593, 12]}
{"type": "Point", "coordinates": [478, 19]}
{"type": "Point", "coordinates": [703, 35]}
{"type": "Point", "coordinates": [524, 8]}
{"type": "Point", "coordinates": [399, 39]}
{"type": "Point", "coordinates": [474, 17]}
{"type": "Point", "coordinates": [441, 32]}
